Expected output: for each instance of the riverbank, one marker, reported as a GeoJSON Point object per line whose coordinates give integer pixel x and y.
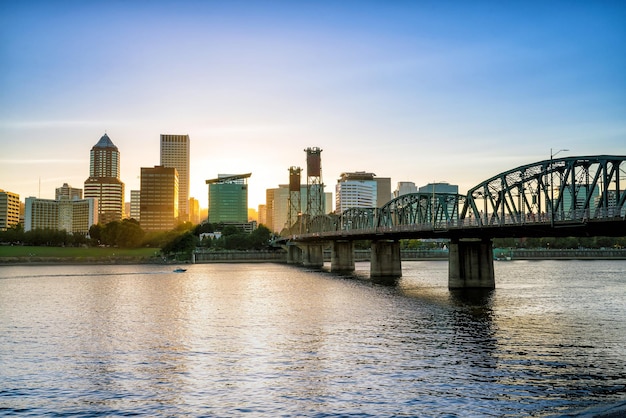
{"type": "Point", "coordinates": [559, 254]}
{"type": "Point", "coordinates": [53, 255]}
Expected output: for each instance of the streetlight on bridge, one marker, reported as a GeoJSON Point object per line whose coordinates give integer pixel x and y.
{"type": "Point", "coordinates": [552, 155]}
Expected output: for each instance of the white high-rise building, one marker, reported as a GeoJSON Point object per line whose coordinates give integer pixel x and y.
{"type": "Point", "coordinates": [175, 153]}
{"type": "Point", "coordinates": [355, 190]}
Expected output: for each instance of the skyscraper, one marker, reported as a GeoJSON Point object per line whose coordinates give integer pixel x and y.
{"type": "Point", "coordinates": [356, 190]}
{"type": "Point", "coordinates": [158, 198]}
{"type": "Point", "coordinates": [175, 153]}
{"type": "Point", "coordinates": [228, 198]}
{"type": "Point", "coordinates": [104, 181]}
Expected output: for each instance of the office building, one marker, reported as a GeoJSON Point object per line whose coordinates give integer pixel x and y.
{"type": "Point", "coordinates": [277, 206]}
{"type": "Point", "coordinates": [67, 192]}
{"type": "Point", "coordinates": [73, 216]}
{"type": "Point", "coordinates": [9, 209]}
{"type": "Point", "coordinates": [158, 198]}
{"type": "Point", "coordinates": [404, 187]}
{"type": "Point", "coordinates": [228, 198]}
{"type": "Point", "coordinates": [135, 205]}
{"type": "Point", "coordinates": [355, 190]}
{"type": "Point", "coordinates": [104, 182]}
{"type": "Point", "coordinates": [175, 153]}
{"type": "Point", "coordinates": [440, 188]}
{"type": "Point", "coordinates": [383, 190]}
{"type": "Point", "coordinates": [262, 214]}
{"type": "Point", "coordinates": [194, 211]}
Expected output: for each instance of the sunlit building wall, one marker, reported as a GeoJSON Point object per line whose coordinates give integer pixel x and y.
{"type": "Point", "coordinates": [74, 216]}
{"type": "Point", "coordinates": [68, 192]}
{"type": "Point", "coordinates": [194, 210]}
{"type": "Point", "coordinates": [158, 198]}
{"type": "Point", "coordinates": [104, 182]}
{"type": "Point", "coordinates": [135, 205]}
{"type": "Point", "coordinates": [175, 153]}
{"type": "Point", "coordinates": [9, 209]}
{"type": "Point", "coordinates": [277, 206]}
{"type": "Point", "coordinates": [228, 198]}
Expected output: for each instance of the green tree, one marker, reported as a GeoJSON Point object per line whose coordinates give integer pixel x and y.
{"type": "Point", "coordinates": [129, 234]}
{"type": "Point", "coordinates": [95, 233]}
{"type": "Point", "coordinates": [259, 238]}
{"type": "Point", "coordinates": [183, 244]}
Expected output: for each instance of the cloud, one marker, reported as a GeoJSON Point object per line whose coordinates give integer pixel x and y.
{"type": "Point", "coordinates": [43, 161]}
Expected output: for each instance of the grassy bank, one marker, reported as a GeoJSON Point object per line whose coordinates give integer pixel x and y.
{"type": "Point", "coordinates": [16, 254]}
{"type": "Point", "coordinates": [25, 251]}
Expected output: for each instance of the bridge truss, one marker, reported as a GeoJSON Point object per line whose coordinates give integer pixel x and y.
{"type": "Point", "coordinates": [531, 200]}
{"type": "Point", "coordinates": [573, 189]}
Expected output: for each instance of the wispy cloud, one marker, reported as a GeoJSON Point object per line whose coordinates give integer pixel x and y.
{"type": "Point", "coordinates": [43, 161]}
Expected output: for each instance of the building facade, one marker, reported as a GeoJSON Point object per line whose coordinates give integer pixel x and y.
{"type": "Point", "coordinates": [9, 209]}
{"type": "Point", "coordinates": [175, 153]}
{"type": "Point", "coordinates": [228, 198]}
{"type": "Point", "coordinates": [194, 210]}
{"type": "Point", "coordinates": [404, 187]}
{"type": "Point", "coordinates": [73, 216]}
{"type": "Point", "coordinates": [104, 182]}
{"type": "Point", "coordinates": [158, 198]}
{"type": "Point", "coordinates": [383, 190]}
{"type": "Point", "coordinates": [67, 192]}
{"type": "Point", "coordinates": [135, 205]}
{"type": "Point", "coordinates": [442, 188]}
{"type": "Point", "coordinates": [355, 190]}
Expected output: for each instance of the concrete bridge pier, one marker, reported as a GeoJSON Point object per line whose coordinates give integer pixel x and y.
{"type": "Point", "coordinates": [471, 264]}
{"type": "Point", "coordinates": [385, 261]}
{"type": "Point", "coordinates": [313, 255]}
{"type": "Point", "coordinates": [342, 257]}
{"type": "Point", "coordinates": [294, 254]}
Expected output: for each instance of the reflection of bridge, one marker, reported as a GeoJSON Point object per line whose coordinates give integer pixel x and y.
{"type": "Point", "coordinates": [573, 196]}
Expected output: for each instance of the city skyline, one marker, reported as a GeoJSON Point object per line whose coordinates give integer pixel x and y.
{"type": "Point", "coordinates": [416, 92]}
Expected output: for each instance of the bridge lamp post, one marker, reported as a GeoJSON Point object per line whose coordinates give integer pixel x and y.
{"type": "Point", "coordinates": [552, 155]}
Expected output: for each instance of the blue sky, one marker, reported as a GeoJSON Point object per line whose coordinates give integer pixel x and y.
{"type": "Point", "coordinates": [417, 91]}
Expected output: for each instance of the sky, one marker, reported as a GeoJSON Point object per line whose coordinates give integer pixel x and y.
{"type": "Point", "coordinates": [421, 91]}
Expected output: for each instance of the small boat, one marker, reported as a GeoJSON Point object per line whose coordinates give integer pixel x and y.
{"type": "Point", "coordinates": [180, 270]}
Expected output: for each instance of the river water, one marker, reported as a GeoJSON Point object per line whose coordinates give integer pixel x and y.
{"type": "Point", "coordinates": [277, 340]}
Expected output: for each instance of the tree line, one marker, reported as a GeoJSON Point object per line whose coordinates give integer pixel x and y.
{"type": "Point", "coordinates": [129, 234]}
{"type": "Point", "coordinates": [185, 237]}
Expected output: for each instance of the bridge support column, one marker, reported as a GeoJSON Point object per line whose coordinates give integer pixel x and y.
{"type": "Point", "coordinates": [313, 255]}
{"type": "Point", "coordinates": [342, 257]}
{"type": "Point", "coordinates": [294, 254]}
{"type": "Point", "coordinates": [471, 264]}
{"type": "Point", "coordinates": [386, 261]}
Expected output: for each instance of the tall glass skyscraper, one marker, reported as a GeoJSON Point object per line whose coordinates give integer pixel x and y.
{"type": "Point", "coordinates": [158, 198]}
{"type": "Point", "coordinates": [175, 153]}
{"type": "Point", "coordinates": [228, 198]}
{"type": "Point", "coordinates": [104, 181]}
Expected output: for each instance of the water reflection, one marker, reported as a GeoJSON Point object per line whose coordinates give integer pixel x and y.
{"type": "Point", "coordinates": [278, 340]}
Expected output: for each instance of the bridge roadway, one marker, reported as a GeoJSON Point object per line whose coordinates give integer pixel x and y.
{"type": "Point", "coordinates": [572, 196]}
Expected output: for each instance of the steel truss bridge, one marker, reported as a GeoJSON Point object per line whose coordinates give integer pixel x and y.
{"type": "Point", "coordinates": [572, 196]}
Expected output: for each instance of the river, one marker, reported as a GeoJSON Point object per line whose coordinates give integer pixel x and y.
{"type": "Point", "coordinates": [268, 339]}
